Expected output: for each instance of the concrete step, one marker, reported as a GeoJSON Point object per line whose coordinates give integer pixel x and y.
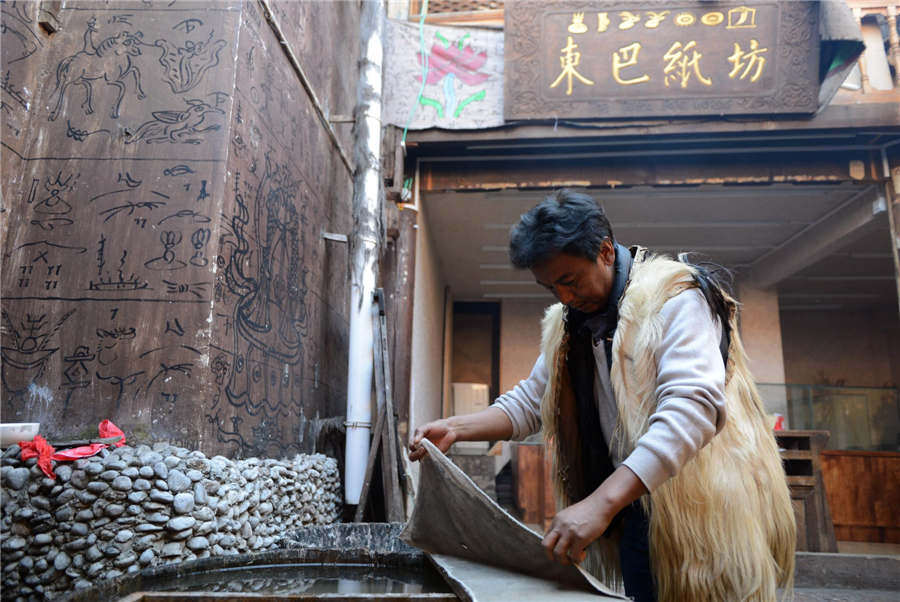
{"type": "Point", "coordinates": [846, 578]}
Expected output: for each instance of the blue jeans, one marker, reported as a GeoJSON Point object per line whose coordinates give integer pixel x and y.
{"type": "Point", "coordinates": [634, 550]}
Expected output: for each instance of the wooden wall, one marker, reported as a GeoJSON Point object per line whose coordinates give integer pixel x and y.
{"type": "Point", "coordinates": [533, 484]}
{"type": "Point", "coordinates": [166, 183]}
{"type": "Point", "coordinates": [863, 490]}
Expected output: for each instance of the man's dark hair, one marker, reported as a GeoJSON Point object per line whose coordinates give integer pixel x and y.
{"type": "Point", "coordinates": [565, 222]}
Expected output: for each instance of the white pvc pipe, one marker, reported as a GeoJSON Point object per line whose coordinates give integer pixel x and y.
{"type": "Point", "coordinates": [359, 381]}
{"type": "Point", "coordinates": [367, 195]}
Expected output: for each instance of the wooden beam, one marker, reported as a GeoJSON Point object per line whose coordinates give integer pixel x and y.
{"type": "Point", "coordinates": [850, 111]}
{"type": "Point", "coordinates": [398, 271]}
{"type": "Point", "coordinates": [487, 173]}
{"type": "Point", "coordinates": [370, 467]}
{"type": "Point", "coordinates": [890, 191]}
{"type": "Point", "coordinates": [390, 474]}
{"type": "Point", "coordinates": [830, 233]}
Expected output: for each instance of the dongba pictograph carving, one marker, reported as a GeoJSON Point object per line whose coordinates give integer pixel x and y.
{"type": "Point", "coordinates": [52, 209]}
{"type": "Point", "coordinates": [177, 170]}
{"type": "Point", "coordinates": [28, 344]}
{"type": "Point", "coordinates": [167, 261]}
{"type": "Point", "coordinates": [109, 282]}
{"type": "Point", "coordinates": [177, 126]}
{"type": "Point", "coordinates": [129, 208]}
{"type": "Point", "coordinates": [76, 373]}
{"type": "Point", "coordinates": [16, 28]}
{"type": "Point", "coordinates": [269, 319]}
{"type": "Point", "coordinates": [120, 382]}
{"type": "Point", "coordinates": [79, 135]}
{"type": "Point", "coordinates": [190, 296]}
{"type": "Point", "coordinates": [82, 68]}
{"type": "Point", "coordinates": [184, 66]}
{"type": "Point", "coordinates": [114, 62]}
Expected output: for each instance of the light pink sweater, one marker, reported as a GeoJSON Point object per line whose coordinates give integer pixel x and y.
{"type": "Point", "coordinates": [690, 393]}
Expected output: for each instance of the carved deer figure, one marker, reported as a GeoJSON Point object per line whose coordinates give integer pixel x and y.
{"type": "Point", "coordinates": [110, 61]}
{"type": "Point", "coordinates": [177, 126]}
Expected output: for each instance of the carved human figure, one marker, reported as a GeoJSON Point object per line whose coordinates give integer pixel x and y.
{"type": "Point", "coordinates": [270, 315]}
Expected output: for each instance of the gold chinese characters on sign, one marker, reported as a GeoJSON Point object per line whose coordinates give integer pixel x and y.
{"type": "Point", "coordinates": [721, 49]}
{"type": "Point", "coordinates": [626, 59]}
{"type": "Point", "coordinates": [569, 61]}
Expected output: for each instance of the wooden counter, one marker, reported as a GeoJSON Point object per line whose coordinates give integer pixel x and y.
{"type": "Point", "coordinates": [863, 490]}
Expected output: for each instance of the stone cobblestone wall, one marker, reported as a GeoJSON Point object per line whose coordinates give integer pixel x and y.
{"type": "Point", "coordinates": [134, 507]}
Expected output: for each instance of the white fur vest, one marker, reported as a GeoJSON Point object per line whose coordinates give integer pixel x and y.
{"type": "Point", "coordinates": [723, 528]}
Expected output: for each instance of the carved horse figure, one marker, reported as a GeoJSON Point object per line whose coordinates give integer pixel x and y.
{"type": "Point", "coordinates": [110, 61]}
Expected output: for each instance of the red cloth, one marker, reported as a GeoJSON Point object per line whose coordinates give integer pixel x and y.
{"type": "Point", "coordinates": [45, 452]}
{"type": "Point", "coordinates": [74, 453]}
{"type": "Point", "coordinates": [108, 429]}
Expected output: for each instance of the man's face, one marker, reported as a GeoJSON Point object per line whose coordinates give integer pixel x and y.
{"type": "Point", "coordinates": [578, 282]}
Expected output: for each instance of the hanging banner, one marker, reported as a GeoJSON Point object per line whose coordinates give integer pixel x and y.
{"type": "Point", "coordinates": [618, 59]}
{"type": "Point", "coordinates": [463, 83]}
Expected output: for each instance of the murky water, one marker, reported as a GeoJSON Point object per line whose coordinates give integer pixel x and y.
{"type": "Point", "coordinates": [310, 578]}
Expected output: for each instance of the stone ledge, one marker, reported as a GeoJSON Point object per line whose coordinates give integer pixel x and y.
{"type": "Point", "coordinates": [847, 571]}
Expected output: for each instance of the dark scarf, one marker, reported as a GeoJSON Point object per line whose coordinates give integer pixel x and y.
{"type": "Point", "coordinates": [583, 330]}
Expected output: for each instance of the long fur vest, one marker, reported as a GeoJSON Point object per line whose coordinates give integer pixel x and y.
{"type": "Point", "coordinates": [722, 529]}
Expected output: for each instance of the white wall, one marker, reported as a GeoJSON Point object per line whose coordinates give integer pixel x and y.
{"type": "Point", "coordinates": [426, 380]}
{"type": "Point", "coordinates": [858, 349]}
{"type": "Point", "coordinates": [853, 349]}
{"type": "Point", "coordinates": [760, 330]}
{"type": "Point", "coordinates": [520, 339]}
{"type": "Point", "coordinates": [761, 333]}
{"type": "Point", "coordinates": [447, 363]}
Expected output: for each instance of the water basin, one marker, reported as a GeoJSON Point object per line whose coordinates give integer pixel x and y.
{"type": "Point", "coordinates": [308, 578]}
{"type": "Point", "coordinates": [342, 563]}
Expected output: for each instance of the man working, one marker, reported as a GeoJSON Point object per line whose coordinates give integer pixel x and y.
{"type": "Point", "coordinates": [666, 473]}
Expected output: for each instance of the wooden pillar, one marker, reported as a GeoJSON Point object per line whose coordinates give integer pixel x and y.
{"type": "Point", "coordinates": [398, 270]}
{"type": "Point", "coordinates": [864, 76]}
{"type": "Point", "coordinates": [893, 204]}
{"type": "Point", "coordinates": [894, 53]}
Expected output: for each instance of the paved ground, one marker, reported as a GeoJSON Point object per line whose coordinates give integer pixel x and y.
{"type": "Point", "coordinates": [810, 594]}
{"type": "Point", "coordinates": [844, 595]}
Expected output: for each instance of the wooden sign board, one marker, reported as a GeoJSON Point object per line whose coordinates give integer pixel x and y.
{"type": "Point", "coordinates": [615, 59]}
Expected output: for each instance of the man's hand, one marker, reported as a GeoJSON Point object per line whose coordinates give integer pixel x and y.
{"type": "Point", "coordinates": [439, 432]}
{"type": "Point", "coordinates": [574, 528]}
{"type": "Point", "coordinates": [490, 424]}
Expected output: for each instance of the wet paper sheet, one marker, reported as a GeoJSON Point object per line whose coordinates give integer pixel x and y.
{"type": "Point", "coordinates": [486, 553]}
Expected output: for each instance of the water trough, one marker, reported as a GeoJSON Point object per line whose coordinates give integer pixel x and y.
{"type": "Point", "coordinates": [361, 562]}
